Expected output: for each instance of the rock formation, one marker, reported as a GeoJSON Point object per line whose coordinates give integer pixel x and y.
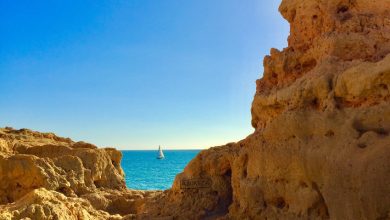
{"type": "Point", "coordinates": [43, 176]}
{"type": "Point", "coordinates": [320, 149]}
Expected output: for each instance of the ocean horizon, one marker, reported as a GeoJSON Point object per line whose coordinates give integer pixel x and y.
{"type": "Point", "coordinates": [143, 171]}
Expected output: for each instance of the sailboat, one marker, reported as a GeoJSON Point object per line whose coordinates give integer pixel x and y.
{"type": "Point", "coordinates": [160, 153]}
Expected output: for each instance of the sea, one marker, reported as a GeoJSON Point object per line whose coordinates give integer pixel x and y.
{"type": "Point", "coordinates": [143, 171]}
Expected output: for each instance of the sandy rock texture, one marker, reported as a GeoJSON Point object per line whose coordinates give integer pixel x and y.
{"type": "Point", "coordinates": [321, 113]}
{"type": "Point", "coordinates": [43, 176]}
{"type": "Point", "coordinates": [320, 149]}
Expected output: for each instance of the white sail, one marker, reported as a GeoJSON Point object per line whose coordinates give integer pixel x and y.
{"type": "Point", "coordinates": [160, 153]}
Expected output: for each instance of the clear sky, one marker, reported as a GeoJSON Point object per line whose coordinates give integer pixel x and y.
{"type": "Point", "coordinates": [137, 73]}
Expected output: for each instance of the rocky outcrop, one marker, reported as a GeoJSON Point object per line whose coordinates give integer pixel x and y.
{"type": "Point", "coordinates": [34, 160]}
{"type": "Point", "coordinates": [43, 176]}
{"type": "Point", "coordinates": [320, 149]}
{"type": "Point", "coordinates": [44, 204]}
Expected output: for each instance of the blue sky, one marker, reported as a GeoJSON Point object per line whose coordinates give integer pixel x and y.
{"type": "Point", "coordinates": [138, 73]}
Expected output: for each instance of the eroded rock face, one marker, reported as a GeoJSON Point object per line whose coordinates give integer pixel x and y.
{"type": "Point", "coordinates": [43, 176]}
{"type": "Point", "coordinates": [321, 115]}
{"type": "Point", "coordinates": [44, 204]}
{"type": "Point", "coordinates": [320, 149]}
{"type": "Point", "coordinates": [44, 160]}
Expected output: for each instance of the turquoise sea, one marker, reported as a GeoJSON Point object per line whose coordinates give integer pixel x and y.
{"type": "Point", "coordinates": [143, 171]}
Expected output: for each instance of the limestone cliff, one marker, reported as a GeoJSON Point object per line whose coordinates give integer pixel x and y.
{"type": "Point", "coordinates": [320, 149]}
{"type": "Point", "coordinates": [321, 114]}
{"type": "Point", "coordinates": [43, 176]}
